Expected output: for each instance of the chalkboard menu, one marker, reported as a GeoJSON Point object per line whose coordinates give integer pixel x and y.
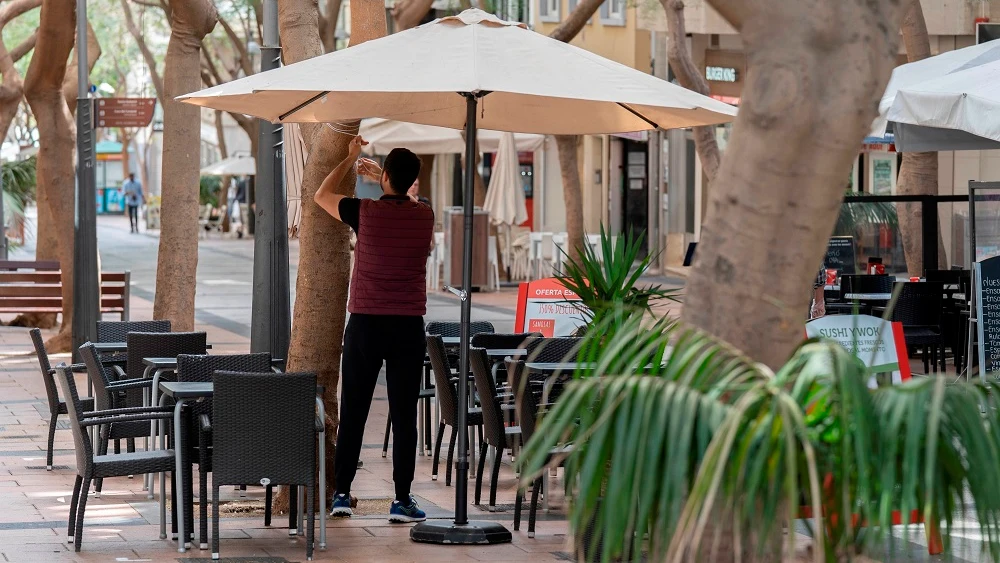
{"type": "Point", "coordinates": [840, 256]}
{"type": "Point", "coordinates": [988, 300]}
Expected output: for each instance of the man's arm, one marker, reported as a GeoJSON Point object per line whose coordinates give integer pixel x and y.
{"type": "Point", "coordinates": [326, 196]}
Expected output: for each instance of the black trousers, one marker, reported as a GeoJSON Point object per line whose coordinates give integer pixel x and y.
{"type": "Point", "coordinates": [133, 217]}
{"type": "Point", "coordinates": [369, 341]}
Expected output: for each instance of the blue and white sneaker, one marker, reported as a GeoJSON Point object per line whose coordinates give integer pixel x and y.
{"type": "Point", "coordinates": [405, 514]}
{"type": "Point", "coordinates": [341, 506]}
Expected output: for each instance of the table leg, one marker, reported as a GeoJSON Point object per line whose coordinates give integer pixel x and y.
{"type": "Point", "coordinates": [163, 479]}
{"type": "Point", "coordinates": [179, 476]}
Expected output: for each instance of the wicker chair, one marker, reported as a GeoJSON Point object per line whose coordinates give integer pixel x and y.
{"type": "Point", "coordinates": [117, 331]}
{"type": "Point", "coordinates": [142, 345]}
{"type": "Point", "coordinates": [919, 309]}
{"type": "Point", "coordinates": [444, 329]}
{"type": "Point", "coordinates": [90, 467]}
{"type": "Point", "coordinates": [264, 429]}
{"type": "Point", "coordinates": [56, 407]}
{"type": "Point", "coordinates": [199, 444]}
{"type": "Point", "coordinates": [449, 402]}
{"type": "Point", "coordinates": [495, 432]}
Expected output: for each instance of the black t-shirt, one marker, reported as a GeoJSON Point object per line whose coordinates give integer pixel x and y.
{"type": "Point", "coordinates": [350, 209]}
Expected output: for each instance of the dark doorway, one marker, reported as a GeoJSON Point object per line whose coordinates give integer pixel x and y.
{"type": "Point", "coordinates": [636, 189]}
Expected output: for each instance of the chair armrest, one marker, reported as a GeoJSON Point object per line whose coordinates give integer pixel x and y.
{"type": "Point", "coordinates": [75, 368]}
{"type": "Point", "coordinates": [95, 421]}
{"type": "Point", "coordinates": [119, 370]}
{"type": "Point", "coordinates": [206, 423]}
{"type": "Point", "coordinates": [127, 410]}
{"type": "Point", "coordinates": [320, 416]}
{"type": "Point", "coordinates": [130, 384]}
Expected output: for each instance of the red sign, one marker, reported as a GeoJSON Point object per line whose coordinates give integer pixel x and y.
{"type": "Point", "coordinates": [123, 112]}
{"type": "Point", "coordinates": [546, 306]}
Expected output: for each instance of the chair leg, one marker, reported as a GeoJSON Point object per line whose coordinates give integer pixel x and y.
{"type": "Point", "coordinates": [451, 456]}
{"type": "Point", "coordinates": [479, 474]}
{"type": "Point", "coordinates": [437, 451]}
{"type": "Point", "coordinates": [82, 511]}
{"type": "Point", "coordinates": [52, 441]}
{"type": "Point", "coordinates": [173, 501]}
{"type": "Point", "coordinates": [203, 500]}
{"type": "Point", "coordinates": [533, 509]}
{"type": "Point", "coordinates": [517, 508]}
{"type": "Point", "coordinates": [310, 520]}
{"type": "Point", "coordinates": [388, 429]}
{"type": "Point", "coordinates": [73, 503]}
{"type": "Point", "coordinates": [497, 458]}
{"type": "Point", "coordinates": [268, 498]}
{"type": "Point", "coordinates": [293, 509]}
{"type": "Point", "coordinates": [215, 521]}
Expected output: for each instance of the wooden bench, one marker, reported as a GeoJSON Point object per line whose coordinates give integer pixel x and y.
{"type": "Point", "coordinates": [40, 290]}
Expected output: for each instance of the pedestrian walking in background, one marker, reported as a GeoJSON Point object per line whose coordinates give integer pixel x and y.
{"type": "Point", "coordinates": [134, 197]}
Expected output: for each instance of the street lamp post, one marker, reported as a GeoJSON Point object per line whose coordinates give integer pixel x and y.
{"type": "Point", "coordinates": [270, 324]}
{"type": "Point", "coordinates": [86, 287]}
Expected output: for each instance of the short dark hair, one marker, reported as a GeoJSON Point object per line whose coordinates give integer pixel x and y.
{"type": "Point", "coordinates": [402, 167]}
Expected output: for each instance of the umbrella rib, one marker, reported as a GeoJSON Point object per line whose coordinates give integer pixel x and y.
{"type": "Point", "coordinates": [639, 115]}
{"type": "Point", "coordinates": [285, 115]}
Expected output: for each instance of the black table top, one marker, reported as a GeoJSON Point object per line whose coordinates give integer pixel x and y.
{"type": "Point", "coordinates": [504, 352]}
{"type": "Point", "coordinates": [120, 346]}
{"type": "Point", "coordinates": [552, 367]}
{"type": "Point", "coordinates": [187, 389]}
{"type": "Point", "coordinates": [451, 340]}
{"type": "Point", "coordinates": [160, 363]}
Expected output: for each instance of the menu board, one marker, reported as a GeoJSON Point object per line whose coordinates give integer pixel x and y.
{"type": "Point", "coordinates": [840, 255]}
{"type": "Point", "coordinates": [548, 307]}
{"type": "Point", "coordinates": [988, 301]}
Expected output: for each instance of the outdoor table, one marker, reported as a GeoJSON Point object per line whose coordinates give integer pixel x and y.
{"type": "Point", "coordinates": [451, 341]}
{"type": "Point", "coordinates": [194, 391]}
{"type": "Point", "coordinates": [118, 347]}
{"type": "Point", "coordinates": [549, 368]}
{"type": "Point", "coordinates": [868, 296]}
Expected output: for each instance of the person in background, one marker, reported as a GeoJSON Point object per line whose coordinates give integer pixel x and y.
{"type": "Point", "coordinates": [388, 301]}
{"type": "Point", "coordinates": [414, 193]}
{"type": "Point", "coordinates": [134, 197]}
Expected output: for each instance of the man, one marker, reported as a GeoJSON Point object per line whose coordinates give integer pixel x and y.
{"type": "Point", "coordinates": [388, 300]}
{"type": "Point", "coordinates": [414, 193]}
{"type": "Point", "coordinates": [133, 198]}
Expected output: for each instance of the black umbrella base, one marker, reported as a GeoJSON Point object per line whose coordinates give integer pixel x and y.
{"type": "Point", "coordinates": [446, 532]}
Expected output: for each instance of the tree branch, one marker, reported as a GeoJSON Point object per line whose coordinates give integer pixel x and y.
{"type": "Point", "coordinates": [11, 10]}
{"type": "Point", "coordinates": [328, 25]}
{"type": "Point", "coordinates": [240, 45]}
{"type": "Point", "coordinates": [147, 55]}
{"type": "Point", "coordinates": [149, 4]}
{"type": "Point", "coordinates": [17, 53]}
{"type": "Point", "coordinates": [915, 36]}
{"type": "Point", "coordinates": [572, 25]}
{"type": "Point", "coordinates": [733, 11]}
{"type": "Point", "coordinates": [407, 14]}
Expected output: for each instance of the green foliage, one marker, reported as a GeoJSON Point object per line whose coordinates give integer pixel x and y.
{"type": "Point", "coordinates": [607, 282]}
{"type": "Point", "coordinates": [19, 184]}
{"type": "Point", "coordinates": [209, 191]}
{"type": "Point", "coordinates": [858, 216]}
{"type": "Point", "coordinates": [676, 429]}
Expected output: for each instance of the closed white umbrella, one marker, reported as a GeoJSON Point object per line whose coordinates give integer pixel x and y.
{"type": "Point", "coordinates": [383, 135]}
{"type": "Point", "coordinates": [464, 72]}
{"type": "Point", "coordinates": [505, 196]}
{"type": "Point", "coordinates": [233, 166]}
{"type": "Point", "coordinates": [946, 102]}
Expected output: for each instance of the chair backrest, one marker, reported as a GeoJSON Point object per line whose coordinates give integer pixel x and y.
{"type": "Point", "coordinates": [43, 363]}
{"type": "Point", "coordinates": [493, 426]}
{"type": "Point", "coordinates": [445, 389]}
{"type": "Point", "coordinates": [263, 427]}
{"type": "Point", "coordinates": [491, 341]}
{"type": "Point", "coordinates": [525, 399]}
{"type": "Point", "coordinates": [559, 349]}
{"type": "Point", "coordinates": [203, 367]}
{"type": "Point", "coordinates": [454, 330]}
{"type": "Point", "coordinates": [874, 284]}
{"type": "Point", "coordinates": [100, 376]}
{"type": "Point", "coordinates": [142, 345]}
{"type": "Point", "coordinates": [84, 448]}
{"type": "Point", "coordinates": [919, 304]}
{"type": "Point", "coordinates": [117, 331]}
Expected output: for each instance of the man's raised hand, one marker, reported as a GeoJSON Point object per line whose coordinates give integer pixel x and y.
{"type": "Point", "coordinates": [354, 149]}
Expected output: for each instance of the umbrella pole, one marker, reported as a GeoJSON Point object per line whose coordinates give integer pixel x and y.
{"type": "Point", "coordinates": [462, 531]}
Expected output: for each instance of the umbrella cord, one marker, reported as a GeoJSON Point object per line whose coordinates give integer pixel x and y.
{"type": "Point", "coordinates": [345, 128]}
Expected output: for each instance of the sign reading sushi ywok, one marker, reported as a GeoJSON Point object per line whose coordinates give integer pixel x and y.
{"type": "Point", "coordinates": [878, 343]}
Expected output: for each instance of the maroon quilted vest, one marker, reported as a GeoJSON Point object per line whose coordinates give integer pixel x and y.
{"type": "Point", "coordinates": [390, 258]}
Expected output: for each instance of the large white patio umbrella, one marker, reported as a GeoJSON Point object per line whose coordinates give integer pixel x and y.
{"type": "Point", "coordinates": [946, 102]}
{"type": "Point", "coordinates": [383, 135]}
{"type": "Point", "coordinates": [463, 72]}
{"type": "Point", "coordinates": [240, 165]}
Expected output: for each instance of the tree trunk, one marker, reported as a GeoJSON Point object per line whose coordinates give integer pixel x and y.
{"type": "Point", "coordinates": [177, 262]}
{"type": "Point", "coordinates": [56, 145]}
{"type": "Point", "coordinates": [408, 14]}
{"type": "Point", "coordinates": [918, 174]}
{"type": "Point", "coordinates": [814, 66]}
{"type": "Point", "coordinates": [147, 54]}
{"type": "Point", "coordinates": [12, 89]}
{"type": "Point", "coordinates": [328, 24]}
{"type": "Point", "coordinates": [690, 77]}
{"type": "Point", "coordinates": [572, 193]}
{"type": "Point", "coordinates": [324, 255]}
{"type": "Point", "coordinates": [568, 145]}
{"type": "Point", "coordinates": [126, 139]}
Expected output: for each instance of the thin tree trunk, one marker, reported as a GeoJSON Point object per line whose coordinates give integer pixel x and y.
{"type": "Point", "coordinates": [408, 14]}
{"type": "Point", "coordinates": [328, 24]}
{"type": "Point", "coordinates": [177, 262]}
{"type": "Point", "coordinates": [126, 139]}
{"type": "Point", "coordinates": [71, 79]}
{"type": "Point", "coordinates": [147, 54]}
{"type": "Point", "coordinates": [220, 133]}
{"type": "Point", "coordinates": [324, 255]}
{"type": "Point", "coordinates": [815, 66]}
{"type": "Point", "coordinates": [918, 174]}
{"type": "Point", "coordinates": [56, 145]}
{"type": "Point", "coordinates": [568, 145]}
{"type": "Point", "coordinates": [690, 77]}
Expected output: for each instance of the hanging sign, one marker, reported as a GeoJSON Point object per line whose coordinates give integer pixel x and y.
{"type": "Point", "coordinates": [988, 325]}
{"type": "Point", "coordinates": [878, 343]}
{"type": "Point", "coordinates": [548, 307]}
{"type": "Point", "coordinates": [123, 112]}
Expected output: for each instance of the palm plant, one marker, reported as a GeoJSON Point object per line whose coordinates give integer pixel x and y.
{"type": "Point", "coordinates": [686, 450]}
{"type": "Point", "coordinates": [19, 185]}
{"type": "Point", "coordinates": [606, 281]}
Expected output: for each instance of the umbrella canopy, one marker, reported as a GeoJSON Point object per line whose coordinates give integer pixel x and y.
{"type": "Point", "coordinates": [946, 102]}
{"type": "Point", "coordinates": [232, 166]}
{"type": "Point", "coordinates": [505, 196]}
{"type": "Point", "coordinates": [530, 83]}
{"type": "Point", "coordinates": [383, 135]}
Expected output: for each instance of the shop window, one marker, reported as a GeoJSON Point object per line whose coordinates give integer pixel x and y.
{"type": "Point", "coordinates": [613, 12]}
{"type": "Point", "coordinates": [548, 10]}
